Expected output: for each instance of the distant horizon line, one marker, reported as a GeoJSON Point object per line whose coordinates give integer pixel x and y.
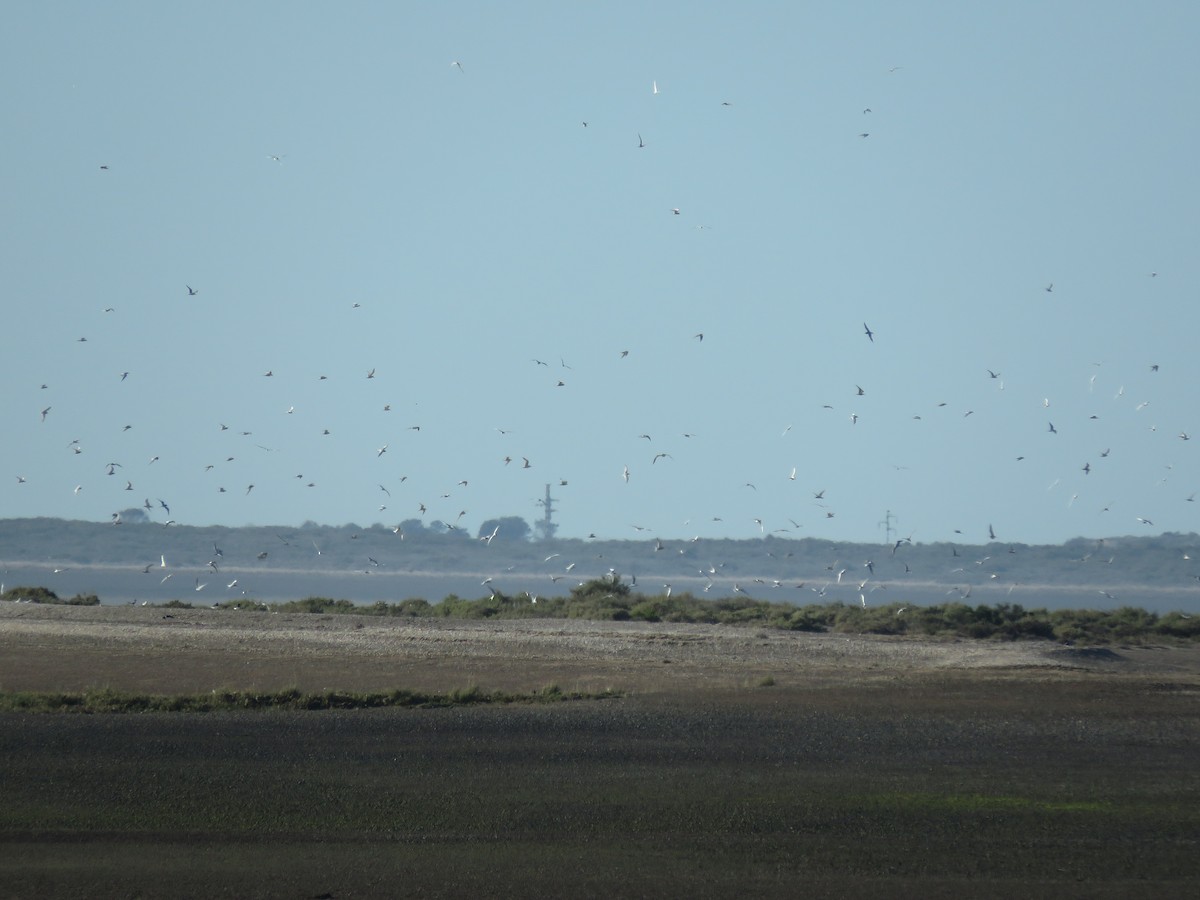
{"type": "Point", "coordinates": [310, 525]}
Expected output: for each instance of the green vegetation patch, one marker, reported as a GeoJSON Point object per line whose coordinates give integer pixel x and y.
{"type": "Point", "coordinates": [985, 803]}
{"type": "Point", "coordinates": [110, 701]}
{"type": "Point", "coordinates": [611, 599]}
{"type": "Point", "coordinates": [45, 595]}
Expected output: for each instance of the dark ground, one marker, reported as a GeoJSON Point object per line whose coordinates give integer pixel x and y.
{"type": "Point", "coordinates": [942, 788]}
{"type": "Point", "coordinates": [864, 772]}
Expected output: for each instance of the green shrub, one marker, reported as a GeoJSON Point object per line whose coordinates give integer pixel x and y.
{"type": "Point", "coordinates": [31, 595]}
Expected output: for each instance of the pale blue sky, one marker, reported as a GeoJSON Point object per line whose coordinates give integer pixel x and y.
{"type": "Point", "coordinates": [480, 226]}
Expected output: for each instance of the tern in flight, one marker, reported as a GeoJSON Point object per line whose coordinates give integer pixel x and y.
{"type": "Point", "coordinates": [869, 333]}
{"type": "Point", "coordinates": [641, 143]}
{"type": "Point", "coordinates": [459, 65]}
{"type": "Point", "coordinates": [192, 292]}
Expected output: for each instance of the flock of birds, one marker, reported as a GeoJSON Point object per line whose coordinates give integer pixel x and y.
{"type": "Point", "coordinates": [123, 478]}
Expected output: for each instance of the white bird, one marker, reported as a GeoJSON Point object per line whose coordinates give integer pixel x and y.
{"type": "Point", "coordinates": [459, 65]}
{"type": "Point", "coordinates": [625, 474]}
{"type": "Point", "coordinates": [655, 87]}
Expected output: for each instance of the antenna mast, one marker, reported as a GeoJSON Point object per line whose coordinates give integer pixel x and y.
{"type": "Point", "coordinates": [886, 522]}
{"type": "Point", "coordinates": [546, 526]}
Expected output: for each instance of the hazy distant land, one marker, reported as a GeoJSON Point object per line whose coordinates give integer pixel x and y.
{"type": "Point", "coordinates": [132, 563]}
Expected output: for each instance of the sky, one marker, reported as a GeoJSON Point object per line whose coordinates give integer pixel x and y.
{"type": "Point", "coordinates": [342, 263]}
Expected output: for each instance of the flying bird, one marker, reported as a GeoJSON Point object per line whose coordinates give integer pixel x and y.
{"type": "Point", "coordinates": [869, 333]}
{"type": "Point", "coordinates": [192, 292]}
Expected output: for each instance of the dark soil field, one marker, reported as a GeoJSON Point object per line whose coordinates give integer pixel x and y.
{"type": "Point", "coordinates": [736, 762]}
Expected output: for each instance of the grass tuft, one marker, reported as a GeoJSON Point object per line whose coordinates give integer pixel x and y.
{"type": "Point", "coordinates": [107, 700]}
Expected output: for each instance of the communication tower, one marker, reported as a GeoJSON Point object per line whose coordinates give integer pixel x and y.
{"type": "Point", "coordinates": [546, 527]}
